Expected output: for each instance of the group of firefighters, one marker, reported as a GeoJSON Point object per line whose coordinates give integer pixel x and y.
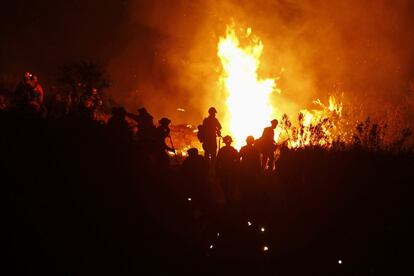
{"type": "Point", "coordinates": [265, 146]}
{"type": "Point", "coordinates": [226, 164]}
{"type": "Point", "coordinates": [235, 170]}
{"type": "Point", "coordinates": [29, 97]}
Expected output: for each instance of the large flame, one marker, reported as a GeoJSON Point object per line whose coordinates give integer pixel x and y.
{"type": "Point", "coordinates": [248, 105]}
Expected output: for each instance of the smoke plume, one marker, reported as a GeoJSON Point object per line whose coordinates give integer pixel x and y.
{"type": "Point", "coordinates": [362, 50]}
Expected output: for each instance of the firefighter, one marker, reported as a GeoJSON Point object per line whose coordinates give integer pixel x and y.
{"type": "Point", "coordinates": [210, 130]}
{"type": "Point", "coordinates": [91, 102]}
{"type": "Point", "coordinates": [28, 97]}
{"type": "Point", "coordinates": [249, 172]}
{"type": "Point", "coordinates": [163, 128]}
{"type": "Point", "coordinates": [227, 167]}
{"type": "Point", "coordinates": [118, 125]}
{"type": "Point", "coordinates": [146, 129]}
{"type": "Point", "coordinates": [250, 159]}
{"type": "Point", "coordinates": [268, 146]}
{"type": "Point", "coordinates": [162, 132]}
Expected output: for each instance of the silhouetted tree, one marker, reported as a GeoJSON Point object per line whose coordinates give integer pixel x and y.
{"type": "Point", "coordinates": [84, 74]}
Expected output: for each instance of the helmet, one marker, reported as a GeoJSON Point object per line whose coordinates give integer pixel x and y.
{"type": "Point", "coordinates": [192, 152]}
{"type": "Point", "coordinates": [250, 139]}
{"type": "Point", "coordinates": [212, 110]}
{"type": "Point", "coordinates": [227, 139]}
{"type": "Point", "coordinates": [27, 76]}
{"type": "Point", "coordinates": [164, 121]}
{"type": "Point", "coordinates": [142, 110]}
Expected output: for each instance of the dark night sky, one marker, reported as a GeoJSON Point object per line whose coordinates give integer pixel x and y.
{"type": "Point", "coordinates": [41, 35]}
{"type": "Point", "coordinates": [163, 53]}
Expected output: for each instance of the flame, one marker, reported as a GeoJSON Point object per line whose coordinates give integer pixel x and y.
{"type": "Point", "coordinates": [317, 127]}
{"type": "Point", "coordinates": [248, 105]}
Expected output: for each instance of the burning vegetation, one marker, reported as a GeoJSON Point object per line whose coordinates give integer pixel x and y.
{"type": "Point", "coordinates": [248, 108]}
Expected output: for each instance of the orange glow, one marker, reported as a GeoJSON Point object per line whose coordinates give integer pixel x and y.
{"type": "Point", "coordinates": [249, 109]}
{"type": "Point", "coordinates": [247, 102]}
{"type": "Point", "coordinates": [318, 127]}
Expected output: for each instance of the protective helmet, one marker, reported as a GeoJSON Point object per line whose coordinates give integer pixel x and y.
{"type": "Point", "coordinates": [164, 121]}
{"type": "Point", "coordinates": [27, 76]}
{"type": "Point", "coordinates": [192, 152]}
{"type": "Point", "coordinates": [227, 139]}
{"type": "Point", "coordinates": [250, 139]}
{"type": "Point", "coordinates": [142, 110]}
{"type": "Point", "coordinates": [212, 110]}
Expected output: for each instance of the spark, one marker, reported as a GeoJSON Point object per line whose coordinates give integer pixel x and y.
{"type": "Point", "coordinates": [181, 109]}
{"type": "Point", "coordinates": [339, 261]}
{"type": "Point", "coordinates": [249, 223]}
{"type": "Point", "coordinates": [265, 248]}
{"type": "Point", "coordinates": [262, 229]}
{"type": "Point", "coordinates": [211, 246]}
{"type": "Point", "coordinates": [189, 199]}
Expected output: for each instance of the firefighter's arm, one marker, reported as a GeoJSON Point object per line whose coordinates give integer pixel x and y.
{"type": "Point", "coordinates": [218, 128]}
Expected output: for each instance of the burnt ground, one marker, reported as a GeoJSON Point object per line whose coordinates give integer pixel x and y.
{"type": "Point", "coordinates": [78, 202]}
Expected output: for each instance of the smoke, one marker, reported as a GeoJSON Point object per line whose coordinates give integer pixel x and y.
{"type": "Point", "coordinates": [361, 49]}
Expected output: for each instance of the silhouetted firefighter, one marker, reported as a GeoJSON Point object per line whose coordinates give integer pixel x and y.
{"type": "Point", "coordinates": [267, 146]}
{"type": "Point", "coordinates": [227, 167]}
{"type": "Point", "coordinates": [208, 133]}
{"type": "Point", "coordinates": [163, 132]}
{"type": "Point", "coordinates": [250, 159]}
{"type": "Point", "coordinates": [249, 171]}
{"type": "Point", "coordinates": [146, 129]}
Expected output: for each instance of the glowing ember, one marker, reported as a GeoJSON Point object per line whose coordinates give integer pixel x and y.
{"type": "Point", "coordinates": [248, 102]}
